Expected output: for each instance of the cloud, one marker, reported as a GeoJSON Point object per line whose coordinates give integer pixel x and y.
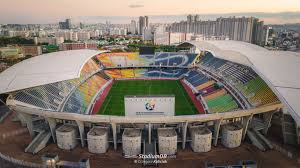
{"type": "Point", "coordinates": [136, 6]}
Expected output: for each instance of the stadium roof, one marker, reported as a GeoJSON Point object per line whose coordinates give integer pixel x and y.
{"type": "Point", "coordinates": [45, 69]}
{"type": "Point", "coordinates": [279, 69]}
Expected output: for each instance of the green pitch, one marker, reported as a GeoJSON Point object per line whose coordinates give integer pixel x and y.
{"type": "Point", "coordinates": [114, 102]}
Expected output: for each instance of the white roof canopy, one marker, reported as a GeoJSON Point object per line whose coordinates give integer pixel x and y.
{"type": "Point", "coordinates": [279, 69]}
{"type": "Point", "coordinates": [45, 69]}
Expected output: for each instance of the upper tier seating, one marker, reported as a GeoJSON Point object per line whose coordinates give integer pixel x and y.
{"type": "Point", "coordinates": [173, 59]}
{"type": "Point", "coordinates": [81, 98]}
{"type": "Point", "coordinates": [257, 92]}
{"type": "Point", "coordinates": [149, 72]}
{"type": "Point", "coordinates": [195, 78]}
{"type": "Point", "coordinates": [212, 95]}
{"type": "Point", "coordinates": [254, 89]}
{"type": "Point", "coordinates": [159, 58]}
{"type": "Point", "coordinates": [216, 97]}
{"type": "Point", "coordinates": [89, 67]}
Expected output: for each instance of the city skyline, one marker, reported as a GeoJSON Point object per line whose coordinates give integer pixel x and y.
{"type": "Point", "coordinates": [51, 11]}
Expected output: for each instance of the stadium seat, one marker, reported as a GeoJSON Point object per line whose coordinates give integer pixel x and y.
{"type": "Point", "coordinates": [83, 95]}
{"type": "Point", "coordinates": [206, 84]}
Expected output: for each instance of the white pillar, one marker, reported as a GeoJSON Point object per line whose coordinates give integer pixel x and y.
{"type": "Point", "coordinates": [184, 131]}
{"type": "Point", "coordinates": [22, 119]}
{"type": "Point", "coordinates": [81, 131]}
{"type": "Point", "coordinates": [52, 126]}
{"type": "Point", "coordinates": [29, 123]}
{"type": "Point", "coordinates": [267, 121]}
{"type": "Point", "coordinates": [114, 130]}
{"type": "Point", "coordinates": [217, 130]}
{"type": "Point", "coordinates": [245, 124]}
{"type": "Point", "coordinates": [149, 133]}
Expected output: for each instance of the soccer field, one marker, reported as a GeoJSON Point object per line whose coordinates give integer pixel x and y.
{"type": "Point", "coordinates": [114, 102]}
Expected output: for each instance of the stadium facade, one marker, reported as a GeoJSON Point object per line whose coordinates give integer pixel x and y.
{"type": "Point", "coordinates": [235, 86]}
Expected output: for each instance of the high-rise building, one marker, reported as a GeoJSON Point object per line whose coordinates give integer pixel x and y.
{"type": "Point", "coordinates": [69, 24]}
{"type": "Point", "coordinates": [189, 18]}
{"type": "Point", "coordinates": [161, 36]}
{"type": "Point", "coordinates": [143, 23]}
{"type": "Point", "coordinates": [66, 24]}
{"type": "Point", "coordinates": [81, 25]}
{"type": "Point", "coordinates": [133, 29]}
{"type": "Point", "coordinates": [146, 21]}
{"type": "Point", "coordinates": [248, 29]}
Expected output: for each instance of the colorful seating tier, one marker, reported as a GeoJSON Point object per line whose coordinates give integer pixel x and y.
{"type": "Point", "coordinates": [257, 92]}
{"type": "Point", "coordinates": [125, 73]}
{"type": "Point", "coordinates": [149, 72]}
{"type": "Point", "coordinates": [241, 77]}
{"type": "Point", "coordinates": [124, 59]}
{"type": "Point", "coordinates": [216, 97]}
{"type": "Point", "coordinates": [159, 58]}
{"type": "Point", "coordinates": [80, 99]}
{"type": "Point", "coordinates": [89, 67]}
{"type": "Point", "coordinates": [222, 104]}
{"type": "Point", "coordinates": [214, 94]}
{"type": "Point", "coordinates": [208, 90]}
{"type": "Point", "coordinates": [206, 84]}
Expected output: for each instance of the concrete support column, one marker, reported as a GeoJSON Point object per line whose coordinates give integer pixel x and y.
{"type": "Point", "coordinates": [114, 131]}
{"type": "Point", "coordinates": [149, 133]}
{"type": "Point", "coordinates": [80, 125]}
{"type": "Point", "coordinates": [29, 123]}
{"type": "Point", "coordinates": [297, 132]}
{"type": "Point", "coordinates": [267, 121]}
{"type": "Point", "coordinates": [22, 119]}
{"type": "Point", "coordinates": [217, 125]}
{"type": "Point", "coordinates": [52, 126]}
{"type": "Point", "coordinates": [184, 132]}
{"type": "Point", "coordinates": [245, 124]}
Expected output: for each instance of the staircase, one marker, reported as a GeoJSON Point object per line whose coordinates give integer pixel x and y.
{"type": "Point", "coordinates": [150, 149]}
{"type": "Point", "coordinates": [39, 142]}
{"type": "Point", "coordinates": [259, 140]}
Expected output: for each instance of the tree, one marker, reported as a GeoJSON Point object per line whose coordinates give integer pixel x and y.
{"type": "Point", "coordinates": [4, 41]}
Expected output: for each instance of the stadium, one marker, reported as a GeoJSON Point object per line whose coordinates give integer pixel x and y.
{"type": "Point", "coordinates": [209, 92]}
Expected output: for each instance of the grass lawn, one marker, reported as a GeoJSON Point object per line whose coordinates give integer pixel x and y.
{"type": "Point", "coordinates": [114, 102]}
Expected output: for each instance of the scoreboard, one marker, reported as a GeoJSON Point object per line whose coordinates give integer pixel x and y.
{"type": "Point", "coordinates": [149, 105]}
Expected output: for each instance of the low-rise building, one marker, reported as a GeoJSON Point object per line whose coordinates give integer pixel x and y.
{"type": "Point", "coordinates": [32, 50]}
{"type": "Point", "coordinates": [48, 40]}
{"type": "Point", "coordinates": [11, 53]}
{"type": "Point", "coordinates": [77, 46]}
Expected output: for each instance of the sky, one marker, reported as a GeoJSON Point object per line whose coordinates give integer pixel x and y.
{"type": "Point", "coordinates": [13, 11]}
